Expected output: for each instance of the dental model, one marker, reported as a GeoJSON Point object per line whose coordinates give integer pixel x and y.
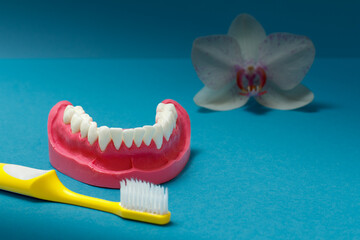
{"type": "Point", "coordinates": [104, 156]}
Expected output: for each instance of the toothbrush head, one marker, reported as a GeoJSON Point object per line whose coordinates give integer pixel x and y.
{"type": "Point", "coordinates": [147, 200]}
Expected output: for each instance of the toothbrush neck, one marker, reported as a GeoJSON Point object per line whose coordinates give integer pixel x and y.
{"type": "Point", "coordinates": [73, 198]}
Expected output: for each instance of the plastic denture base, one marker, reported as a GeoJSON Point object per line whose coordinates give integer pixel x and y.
{"type": "Point", "coordinates": [74, 156]}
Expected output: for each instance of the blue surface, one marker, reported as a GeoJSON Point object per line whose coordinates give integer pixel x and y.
{"type": "Point", "coordinates": [254, 173]}
{"type": "Point", "coordinates": [160, 28]}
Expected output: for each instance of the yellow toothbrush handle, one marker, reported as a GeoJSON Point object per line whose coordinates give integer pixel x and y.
{"type": "Point", "coordinates": [47, 186]}
{"type": "Point", "coordinates": [13, 179]}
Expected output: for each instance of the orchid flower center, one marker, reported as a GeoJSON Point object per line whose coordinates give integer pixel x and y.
{"type": "Point", "coordinates": [251, 81]}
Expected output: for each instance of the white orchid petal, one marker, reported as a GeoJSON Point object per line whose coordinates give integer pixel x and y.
{"type": "Point", "coordinates": [249, 33]}
{"type": "Point", "coordinates": [215, 59]}
{"type": "Point", "coordinates": [285, 100]}
{"type": "Point", "coordinates": [287, 57]}
{"type": "Point", "coordinates": [224, 99]}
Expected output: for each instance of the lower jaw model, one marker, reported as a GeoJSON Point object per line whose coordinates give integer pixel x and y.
{"type": "Point", "coordinates": [103, 156]}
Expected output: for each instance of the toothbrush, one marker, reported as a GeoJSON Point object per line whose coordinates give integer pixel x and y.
{"type": "Point", "coordinates": [140, 201]}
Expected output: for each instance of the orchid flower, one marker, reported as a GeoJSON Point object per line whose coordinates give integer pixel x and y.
{"type": "Point", "coordinates": [246, 63]}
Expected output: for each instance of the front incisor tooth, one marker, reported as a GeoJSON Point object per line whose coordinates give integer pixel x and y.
{"type": "Point", "coordinates": [116, 135]}
{"type": "Point", "coordinates": [149, 133]}
{"type": "Point", "coordinates": [104, 137]}
{"type": "Point", "coordinates": [128, 137]}
{"type": "Point", "coordinates": [75, 123]}
{"type": "Point", "coordinates": [92, 133]}
{"type": "Point", "coordinates": [158, 135]}
{"type": "Point", "coordinates": [138, 136]}
{"type": "Point", "coordinates": [68, 113]}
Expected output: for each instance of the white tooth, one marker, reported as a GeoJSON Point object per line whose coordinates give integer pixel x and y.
{"type": "Point", "coordinates": [161, 115]}
{"type": "Point", "coordinates": [75, 123]}
{"type": "Point", "coordinates": [171, 107]}
{"type": "Point", "coordinates": [116, 135]}
{"type": "Point", "coordinates": [85, 116]}
{"type": "Point", "coordinates": [160, 107]}
{"type": "Point", "coordinates": [172, 118]}
{"type": "Point", "coordinates": [158, 135]}
{"type": "Point", "coordinates": [138, 136]}
{"type": "Point", "coordinates": [68, 113]}
{"type": "Point", "coordinates": [92, 133]}
{"type": "Point", "coordinates": [158, 116]}
{"type": "Point", "coordinates": [104, 137]}
{"type": "Point", "coordinates": [149, 133]}
{"type": "Point", "coordinates": [167, 128]}
{"type": "Point", "coordinates": [84, 127]}
{"type": "Point", "coordinates": [166, 109]}
{"type": "Point", "coordinates": [128, 136]}
{"type": "Point", "coordinates": [167, 116]}
{"type": "Point", "coordinates": [79, 110]}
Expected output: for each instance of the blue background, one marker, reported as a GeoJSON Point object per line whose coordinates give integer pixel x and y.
{"type": "Point", "coordinates": [254, 173]}
{"type": "Point", "coordinates": [141, 28]}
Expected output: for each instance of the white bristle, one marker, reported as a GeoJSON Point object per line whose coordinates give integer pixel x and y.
{"type": "Point", "coordinates": [143, 196]}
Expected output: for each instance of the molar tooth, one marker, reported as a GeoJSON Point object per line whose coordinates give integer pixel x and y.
{"type": "Point", "coordinates": [172, 118]}
{"type": "Point", "coordinates": [161, 116]}
{"type": "Point", "coordinates": [166, 116]}
{"type": "Point", "coordinates": [79, 110]}
{"type": "Point", "coordinates": [138, 136]}
{"type": "Point", "coordinates": [86, 116]}
{"type": "Point", "coordinates": [170, 107]}
{"type": "Point", "coordinates": [116, 135]}
{"type": "Point", "coordinates": [158, 135]}
{"type": "Point", "coordinates": [104, 137]}
{"type": "Point", "coordinates": [128, 136]}
{"type": "Point", "coordinates": [92, 133]}
{"type": "Point", "coordinates": [169, 116]}
{"type": "Point", "coordinates": [160, 107]}
{"type": "Point", "coordinates": [149, 133]}
{"type": "Point", "coordinates": [75, 123]}
{"type": "Point", "coordinates": [164, 108]}
{"type": "Point", "coordinates": [158, 116]}
{"type": "Point", "coordinates": [68, 113]}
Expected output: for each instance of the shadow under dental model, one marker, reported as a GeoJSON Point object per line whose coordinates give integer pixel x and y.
{"type": "Point", "coordinates": [193, 154]}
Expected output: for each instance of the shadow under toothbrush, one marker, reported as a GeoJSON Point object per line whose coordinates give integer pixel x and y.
{"type": "Point", "coordinates": [21, 197]}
